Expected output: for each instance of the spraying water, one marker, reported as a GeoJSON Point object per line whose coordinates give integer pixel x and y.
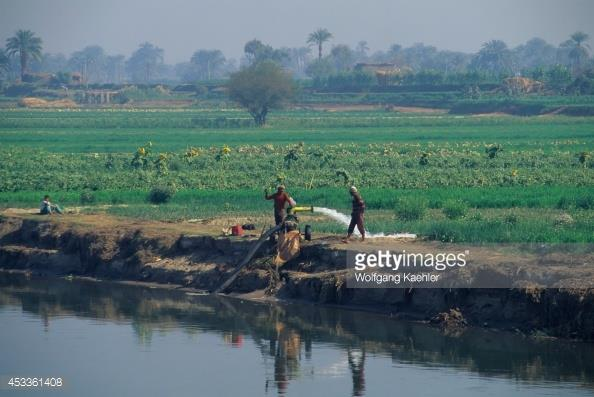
{"type": "Point", "coordinates": [345, 220]}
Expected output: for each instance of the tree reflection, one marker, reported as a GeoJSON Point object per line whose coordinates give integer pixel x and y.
{"type": "Point", "coordinates": [287, 334]}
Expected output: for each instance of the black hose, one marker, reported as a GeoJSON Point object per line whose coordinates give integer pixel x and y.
{"type": "Point", "coordinates": [247, 258]}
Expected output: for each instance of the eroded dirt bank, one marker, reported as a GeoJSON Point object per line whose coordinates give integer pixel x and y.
{"type": "Point", "coordinates": [193, 256]}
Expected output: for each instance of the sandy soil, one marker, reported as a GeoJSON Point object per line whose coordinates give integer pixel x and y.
{"type": "Point", "coordinates": [110, 224]}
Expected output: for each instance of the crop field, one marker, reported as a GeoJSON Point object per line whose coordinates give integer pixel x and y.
{"type": "Point", "coordinates": [449, 178]}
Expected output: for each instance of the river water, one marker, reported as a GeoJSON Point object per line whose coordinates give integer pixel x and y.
{"type": "Point", "coordinates": [108, 339]}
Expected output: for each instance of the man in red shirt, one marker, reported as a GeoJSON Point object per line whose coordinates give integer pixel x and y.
{"type": "Point", "coordinates": [281, 198]}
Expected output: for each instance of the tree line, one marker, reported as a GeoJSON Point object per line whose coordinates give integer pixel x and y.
{"type": "Point", "coordinates": [23, 56]}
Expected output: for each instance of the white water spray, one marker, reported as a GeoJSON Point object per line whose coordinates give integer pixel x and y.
{"type": "Point", "coordinates": [345, 220]}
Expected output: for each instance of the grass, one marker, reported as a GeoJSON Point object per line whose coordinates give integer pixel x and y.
{"type": "Point", "coordinates": [535, 197]}
{"type": "Point", "coordinates": [455, 209]}
{"type": "Point", "coordinates": [120, 130]}
{"type": "Point", "coordinates": [389, 125]}
{"type": "Point", "coordinates": [519, 214]}
{"type": "Point", "coordinates": [444, 99]}
{"type": "Point", "coordinates": [91, 140]}
{"type": "Point", "coordinates": [492, 227]}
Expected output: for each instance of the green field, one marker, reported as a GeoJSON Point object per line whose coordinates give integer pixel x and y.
{"type": "Point", "coordinates": [538, 187]}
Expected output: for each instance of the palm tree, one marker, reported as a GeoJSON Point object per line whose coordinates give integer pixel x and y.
{"type": "Point", "coordinates": [579, 50]}
{"type": "Point", "coordinates": [319, 37]}
{"type": "Point", "coordinates": [4, 62]}
{"type": "Point", "coordinates": [362, 49]}
{"type": "Point", "coordinates": [493, 57]}
{"type": "Point", "coordinates": [27, 45]}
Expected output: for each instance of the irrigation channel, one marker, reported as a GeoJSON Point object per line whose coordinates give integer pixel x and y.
{"type": "Point", "coordinates": [104, 338]}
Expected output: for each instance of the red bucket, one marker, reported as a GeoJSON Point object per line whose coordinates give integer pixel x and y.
{"type": "Point", "coordinates": [237, 230]}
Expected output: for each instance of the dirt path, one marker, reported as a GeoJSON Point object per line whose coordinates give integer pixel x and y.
{"type": "Point", "coordinates": [110, 224]}
{"type": "Point", "coordinates": [102, 223]}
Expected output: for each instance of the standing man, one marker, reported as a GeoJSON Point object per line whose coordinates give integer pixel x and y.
{"type": "Point", "coordinates": [281, 198]}
{"type": "Point", "coordinates": [356, 215]}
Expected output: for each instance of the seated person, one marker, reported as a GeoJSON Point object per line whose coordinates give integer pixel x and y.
{"type": "Point", "coordinates": [47, 208]}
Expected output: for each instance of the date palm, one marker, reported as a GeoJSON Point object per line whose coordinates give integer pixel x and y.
{"type": "Point", "coordinates": [4, 62]}
{"type": "Point", "coordinates": [579, 49]}
{"type": "Point", "coordinates": [26, 45]}
{"type": "Point", "coordinates": [362, 49]}
{"type": "Point", "coordinates": [493, 57]}
{"type": "Point", "coordinates": [319, 37]}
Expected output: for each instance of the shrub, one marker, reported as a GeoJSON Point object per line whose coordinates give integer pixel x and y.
{"type": "Point", "coordinates": [585, 202]}
{"type": "Point", "coordinates": [161, 194]}
{"type": "Point", "coordinates": [87, 197]}
{"type": "Point", "coordinates": [16, 90]}
{"type": "Point", "coordinates": [175, 164]}
{"type": "Point", "coordinates": [510, 218]}
{"type": "Point", "coordinates": [443, 232]}
{"type": "Point", "coordinates": [563, 219]}
{"type": "Point", "coordinates": [410, 209]}
{"type": "Point", "coordinates": [424, 159]}
{"type": "Point", "coordinates": [454, 209]}
{"type": "Point", "coordinates": [493, 150]}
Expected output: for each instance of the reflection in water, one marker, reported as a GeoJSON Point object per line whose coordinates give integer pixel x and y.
{"type": "Point", "coordinates": [287, 336]}
{"type": "Point", "coordinates": [357, 366]}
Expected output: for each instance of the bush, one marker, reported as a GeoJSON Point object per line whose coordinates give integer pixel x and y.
{"type": "Point", "coordinates": [454, 209]}
{"type": "Point", "coordinates": [116, 200]}
{"type": "Point", "coordinates": [577, 110]}
{"type": "Point", "coordinates": [410, 209]}
{"type": "Point", "coordinates": [161, 194]}
{"type": "Point", "coordinates": [585, 202]}
{"type": "Point", "coordinates": [514, 107]}
{"type": "Point", "coordinates": [347, 81]}
{"type": "Point", "coordinates": [87, 197]}
{"type": "Point", "coordinates": [510, 218]}
{"type": "Point", "coordinates": [176, 164]}
{"type": "Point", "coordinates": [17, 90]}
{"type": "Point", "coordinates": [493, 150]}
{"type": "Point", "coordinates": [563, 219]}
{"type": "Point", "coordinates": [444, 233]}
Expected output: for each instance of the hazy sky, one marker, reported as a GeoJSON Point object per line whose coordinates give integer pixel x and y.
{"type": "Point", "coordinates": [182, 26]}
